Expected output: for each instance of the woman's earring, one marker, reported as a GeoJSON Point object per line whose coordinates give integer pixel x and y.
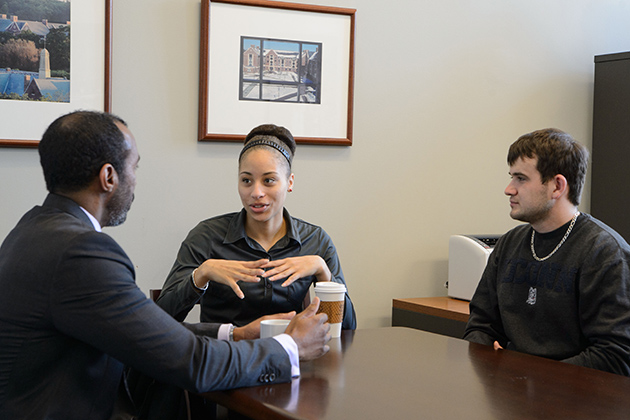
{"type": "Point", "coordinates": [290, 189]}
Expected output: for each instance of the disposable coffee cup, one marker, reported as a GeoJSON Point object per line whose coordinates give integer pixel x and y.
{"type": "Point", "coordinates": [272, 327]}
{"type": "Point", "coordinates": [332, 298]}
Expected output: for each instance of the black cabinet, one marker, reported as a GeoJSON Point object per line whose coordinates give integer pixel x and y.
{"type": "Point", "coordinates": [610, 164]}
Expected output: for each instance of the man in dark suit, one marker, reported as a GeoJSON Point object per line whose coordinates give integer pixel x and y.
{"type": "Point", "coordinates": [71, 313]}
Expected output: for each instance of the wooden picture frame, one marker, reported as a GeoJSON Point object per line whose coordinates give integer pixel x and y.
{"type": "Point", "coordinates": [91, 51]}
{"type": "Point", "coordinates": [328, 34]}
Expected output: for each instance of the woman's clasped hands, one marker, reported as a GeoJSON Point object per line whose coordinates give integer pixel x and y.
{"type": "Point", "coordinates": [230, 272]}
{"type": "Point", "coordinates": [295, 268]}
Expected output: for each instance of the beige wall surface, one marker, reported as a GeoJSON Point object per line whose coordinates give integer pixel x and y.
{"type": "Point", "coordinates": [441, 90]}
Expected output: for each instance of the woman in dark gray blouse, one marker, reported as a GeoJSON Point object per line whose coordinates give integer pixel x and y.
{"type": "Point", "coordinates": [260, 260]}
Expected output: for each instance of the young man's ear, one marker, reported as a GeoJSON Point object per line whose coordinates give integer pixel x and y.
{"type": "Point", "coordinates": [561, 186]}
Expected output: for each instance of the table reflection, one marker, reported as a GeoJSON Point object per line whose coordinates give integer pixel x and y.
{"type": "Point", "coordinates": [308, 395]}
{"type": "Point", "coordinates": [505, 374]}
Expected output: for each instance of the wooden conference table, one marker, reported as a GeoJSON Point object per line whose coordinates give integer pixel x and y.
{"type": "Point", "coordinates": [403, 373]}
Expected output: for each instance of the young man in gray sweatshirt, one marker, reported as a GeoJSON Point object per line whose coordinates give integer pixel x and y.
{"type": "Point", "coordinates": [558, 286]}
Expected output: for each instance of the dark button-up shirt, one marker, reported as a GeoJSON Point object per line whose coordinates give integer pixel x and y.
{"type": "Point", "coordinates": [223, 237]}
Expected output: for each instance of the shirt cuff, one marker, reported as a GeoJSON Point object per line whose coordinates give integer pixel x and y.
{"type": "Point", "coordinates": [224, 332]}
{"type": "Point", "coordinates": [290, 346]}
{"type": "Point", "coordinates": [192, 280]}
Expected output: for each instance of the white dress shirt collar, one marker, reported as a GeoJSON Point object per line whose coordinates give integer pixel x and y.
{"type": "Point", "coordinates": [95, 223]}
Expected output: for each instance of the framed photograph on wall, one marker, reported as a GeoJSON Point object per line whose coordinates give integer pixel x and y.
{"type": "Point", "coordinates": [53, 61]}
{"type": "Point", "coordinates": [275, 62]}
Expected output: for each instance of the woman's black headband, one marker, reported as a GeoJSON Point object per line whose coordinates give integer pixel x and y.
{"type": "Point", "coordinates": [265, 142]}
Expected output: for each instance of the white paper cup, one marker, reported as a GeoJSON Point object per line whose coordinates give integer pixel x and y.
{"type": "Point", "coordinates": [332, 299]}
{"type": "Point", "coordinates": [271, 327]}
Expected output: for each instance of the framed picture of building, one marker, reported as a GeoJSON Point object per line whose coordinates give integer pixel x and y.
{"type": "Point", "coordinates": [274, 62]}
{"type": "Point", "coordinates": [280, 70]}
{"type": "Point", "coordinates": [55, 57]}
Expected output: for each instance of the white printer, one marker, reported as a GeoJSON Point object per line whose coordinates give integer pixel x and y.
{"type": "Point", "coordinates": [467, 258]}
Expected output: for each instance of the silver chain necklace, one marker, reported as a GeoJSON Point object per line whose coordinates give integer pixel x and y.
{"type": "Point", "coordinates": [564, 238]}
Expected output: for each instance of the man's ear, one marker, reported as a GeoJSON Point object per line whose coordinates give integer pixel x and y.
{"type": "Point", "coordinates": [108, 178]}
{"type": "Point", "coordinates": [560, 186]}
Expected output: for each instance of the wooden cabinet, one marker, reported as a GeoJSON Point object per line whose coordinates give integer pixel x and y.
{"type": "Point", "coordinates": [610, 164]}
{"type": "Point", "coordinates": [441, 315]}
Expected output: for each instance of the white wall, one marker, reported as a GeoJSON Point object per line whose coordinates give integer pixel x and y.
{"type": "Point", "coordinates": [441, 90]}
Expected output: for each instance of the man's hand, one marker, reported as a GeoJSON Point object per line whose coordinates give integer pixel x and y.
{"type": "Point", "coordinates": [310, 331]}
{"type": "Point", "coordinates": [251, 331]}
{"type": "Point", "coordinates": [497, 346]}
